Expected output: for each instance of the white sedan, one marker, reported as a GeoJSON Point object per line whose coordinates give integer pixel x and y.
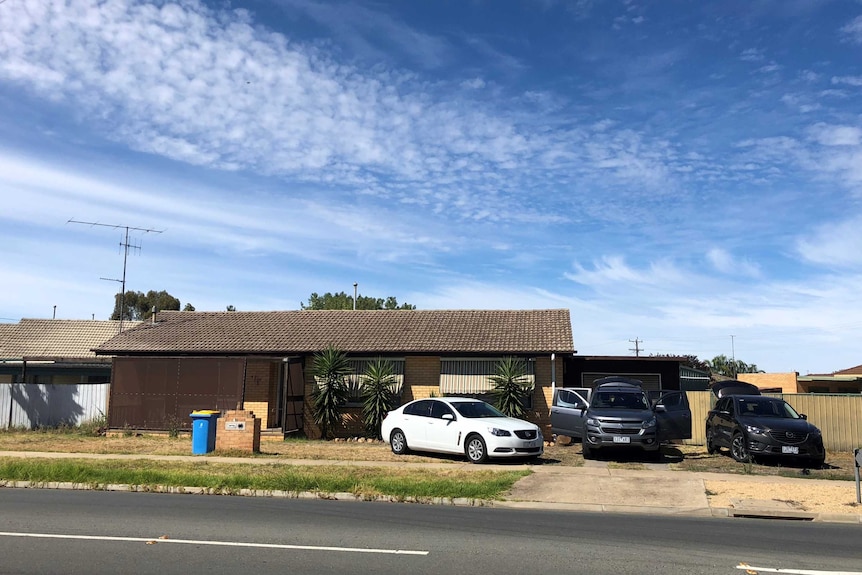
{"type": "Point", "coordinates": [460, 425]}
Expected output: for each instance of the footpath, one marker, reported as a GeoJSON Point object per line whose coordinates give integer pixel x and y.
{"type": "Point", "coordinates": [595, 487]}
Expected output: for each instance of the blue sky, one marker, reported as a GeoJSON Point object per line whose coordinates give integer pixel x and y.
{"type": "Point", "coordinates": [672, 172]}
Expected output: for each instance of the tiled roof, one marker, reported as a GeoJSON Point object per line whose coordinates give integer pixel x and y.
{"type": "Point", "coordinates": [850, 371]}
{"type": "Point", "coordinates": [55, 338]}
{"type": "Point", "coordinates": [354, 331]}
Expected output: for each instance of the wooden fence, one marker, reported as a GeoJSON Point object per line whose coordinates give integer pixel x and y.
{"type": "Point", "coordinates": [839, 417]}
{"type": "Point", "coordinates": [31, 405]}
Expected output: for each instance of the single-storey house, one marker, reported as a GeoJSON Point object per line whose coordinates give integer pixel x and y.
{"type": "Point", "coordinates": [181, 361]}
{"type": "Point", "coordinates": [844, 381]}
{"type": "Point", "coordinates": [49, 373]}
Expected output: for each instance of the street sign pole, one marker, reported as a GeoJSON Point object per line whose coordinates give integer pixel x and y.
{"type": "Point", "coordinates": [857, 456]}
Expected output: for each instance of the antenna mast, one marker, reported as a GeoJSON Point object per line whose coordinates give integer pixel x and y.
{"type": "Point", "coordinates": [125, 245]}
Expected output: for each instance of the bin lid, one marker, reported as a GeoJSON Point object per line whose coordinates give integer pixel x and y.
{"type": "Point", "coordinates": [206, 412]}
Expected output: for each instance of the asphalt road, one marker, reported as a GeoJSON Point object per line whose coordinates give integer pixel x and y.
{"type": "Point", "coordinates": [48, 531]}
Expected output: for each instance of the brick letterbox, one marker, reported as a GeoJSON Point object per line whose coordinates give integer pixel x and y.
{"type": "Point", "coordinates": [238, 430]}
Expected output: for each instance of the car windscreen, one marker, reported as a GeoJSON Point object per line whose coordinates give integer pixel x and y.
{"type": "Point", "coordinates": [474, 409]}
{"type": "Point", "coordinates": [619, 400]}
{"type": "Point", "coordinates": [766, 407]}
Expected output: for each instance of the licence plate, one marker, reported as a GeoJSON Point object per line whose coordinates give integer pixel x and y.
{"type": "Point", "coordinates": [790, 449]}
{"type": "Point", "coordinates": [622, 439]}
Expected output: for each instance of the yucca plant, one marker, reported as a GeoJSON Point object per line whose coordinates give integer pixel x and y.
{"type": "Point", "coordinates": [330, 370]}
{"type": "Point", "coordinates": [378, 394]}
{"type": "Point", "coordinates": [511, 388]}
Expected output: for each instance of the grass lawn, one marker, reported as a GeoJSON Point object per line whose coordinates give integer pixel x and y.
{"type": "Point", "coordinates": [839, 465]}
{"type": "Point", "coordinates": [230, 478]}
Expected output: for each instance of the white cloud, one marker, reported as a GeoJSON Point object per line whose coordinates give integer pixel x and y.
{"type": "Point", "coordinates": [853, 30]}
{"type": "Point", "coordinates": [849, 80]}
{"type": "Point", "coordinates": [837, 244]}
{"type": "Point", "coordinates": [725, 263]}
{"type": "Point", "coordinates": [828, 135]}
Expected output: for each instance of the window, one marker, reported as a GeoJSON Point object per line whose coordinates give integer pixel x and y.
{"type": "Point", "coordinates": [566, 398]}
{"type": "Point", "coordinates": [420, 408]}
{"type": "Point", "coordinates": [472, 376]}
{"type": "Point", "coordinates": [439, 409]}
{"type": "Point", "coordinates": [359, 365]}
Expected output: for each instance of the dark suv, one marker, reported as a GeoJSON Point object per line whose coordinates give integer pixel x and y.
{"type": "Point", "coordinates": [619, 413]}
{"type": "Point", "coordinates": [753, 425]}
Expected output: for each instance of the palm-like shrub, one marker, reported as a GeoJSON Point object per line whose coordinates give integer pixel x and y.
{"type": "Point", "coordinates": [511, 388]}
{"type": "Point", "coordinates": [330, 370]}
{"type": "Point", "coordinates": [378, 394]}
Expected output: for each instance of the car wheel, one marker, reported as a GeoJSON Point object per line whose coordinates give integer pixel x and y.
{"type": "Point", "coordinates": [587, 452]}
{"type": "Point", "coordinates": [398, 442]}
{"type": "Point", "coordinates": [710, 441]}
{"type": "Point", "coordinates": [475, 449]}
{"type": "Point", "coordinates": [738, 448]}
{"type": "Point", "coordinates": [817, 462]}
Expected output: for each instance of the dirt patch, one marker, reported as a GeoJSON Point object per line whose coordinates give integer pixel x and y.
{"type": "Point", "coordinates": [811, 496]}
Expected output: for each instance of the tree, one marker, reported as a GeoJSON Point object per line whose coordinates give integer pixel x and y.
{"type": "Point", "coordinates": [341, 300]}
{"type": "Point", "coordinates": [722, 365]}
{"type": "Point", "coordinates": [378, 394]}
{"type": "Point", "coordinates": [230, 308]}
{"type": "Point", "coordinates": [511, 389]}
{"type": "Point", "coordinates": [188, 307]}
{"type": "Point", "coordinates": [330, 370]}
{"type": "Point", "coordinates": [138, 305]}
{"type": "Point", "coordinates": [690, 360]}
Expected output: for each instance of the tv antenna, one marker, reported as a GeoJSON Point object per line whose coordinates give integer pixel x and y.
{"type": "Point", "coordinates": [126, 247]}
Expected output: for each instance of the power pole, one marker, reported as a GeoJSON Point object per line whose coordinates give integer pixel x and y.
{"type": "Point", "coordinates": [636, 348]}
{"type": "Point", "coordinates": [125, 245]}
{"type": "Point", "coordinates": [733, 356]}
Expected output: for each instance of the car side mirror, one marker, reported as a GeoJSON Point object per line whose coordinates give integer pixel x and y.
{"type": "Point", "coordinates": [803, 416]}
{"type": "Point", "coordinates": [660, 408]}
{"type": "Point", "coordinates": [448, 416]}
{"type": "Point", "coordinates": [580, 405]}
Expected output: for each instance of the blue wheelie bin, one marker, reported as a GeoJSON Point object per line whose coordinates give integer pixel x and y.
{"type": "Point", "coordinates": [203, 430]}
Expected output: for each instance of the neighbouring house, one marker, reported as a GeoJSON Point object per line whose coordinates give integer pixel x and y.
{"type": "Point", "coordinates": [844, 381]}
{"type": "Point", "coordinates": [49, 373]}
{"type": "Point", "coordinates": [181, 361]}
{"type": "Point", "coordinates": [772, 382]}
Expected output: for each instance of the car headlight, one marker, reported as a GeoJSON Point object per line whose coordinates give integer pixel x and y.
{"type": "Point", "coordinates": [499, 432]}
{"type": "Point", "coordinates": [756, 429]}
{"type": "Point", "coordinates": [651, 422]}
{"type": "Point", "coordinates": [591, 421]}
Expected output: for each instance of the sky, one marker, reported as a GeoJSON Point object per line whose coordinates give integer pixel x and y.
{"type": "Point", "coordinates": [685, 177]}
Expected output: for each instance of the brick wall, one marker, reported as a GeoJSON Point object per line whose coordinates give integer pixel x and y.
{"type": "Point", "coordinates": [246, 439]}
{"type": "Point", "coordinates": [422, 379]}
{"type": "Point", "coordinates": [785, 381]}
{"type": "Point", "coordinates": [258, 385]}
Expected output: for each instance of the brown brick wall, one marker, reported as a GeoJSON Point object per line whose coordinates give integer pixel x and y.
{"type": "Point", "coordinates": [422, 379]}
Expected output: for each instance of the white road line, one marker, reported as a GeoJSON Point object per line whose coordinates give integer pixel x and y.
{"type": "Point", "coordinates": [753, 569]}
{"type": "Point", "coordinates": [216, 543]}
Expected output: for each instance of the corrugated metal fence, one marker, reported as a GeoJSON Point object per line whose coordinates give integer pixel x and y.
{"type": "Point", "coordinates": [33, 405]}
{"type": "Point", "coordinates": [839, 417]}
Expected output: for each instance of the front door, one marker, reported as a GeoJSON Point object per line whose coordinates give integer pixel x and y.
{"type": "Point", "coordinates": [293, 396]}
{"type": "Point", "coordinates": [674, 416]}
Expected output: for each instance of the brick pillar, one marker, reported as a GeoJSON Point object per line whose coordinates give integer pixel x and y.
{"type": "Point", "coordinates": [238, 430]}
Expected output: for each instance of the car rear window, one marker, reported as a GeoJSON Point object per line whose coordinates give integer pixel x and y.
{"type": "Point", "coordinates": [619, 400]}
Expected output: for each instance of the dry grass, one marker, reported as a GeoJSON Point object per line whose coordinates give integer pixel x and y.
{"type": "Point", "coordinates": [679, 457]}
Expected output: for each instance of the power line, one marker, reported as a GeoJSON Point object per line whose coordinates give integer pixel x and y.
{"type": "Point", "coordinates": [125, 245]}
{"type": "Point", "coordinates": [636, 348]}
